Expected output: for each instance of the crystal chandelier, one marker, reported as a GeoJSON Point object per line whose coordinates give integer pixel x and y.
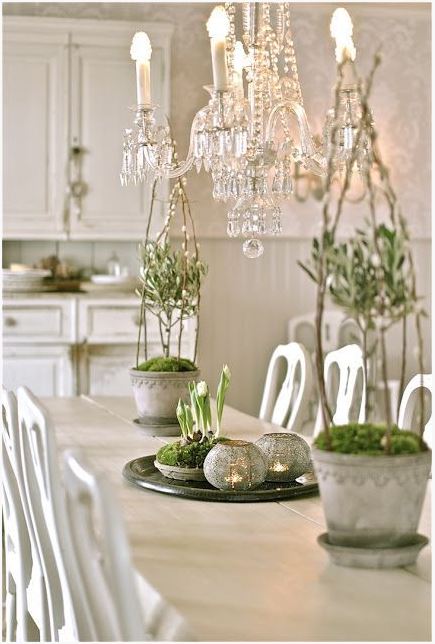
{"type": "Point", "coordinates": [254, 128]}
{"type": "Point", "coordinates": [251, 132]}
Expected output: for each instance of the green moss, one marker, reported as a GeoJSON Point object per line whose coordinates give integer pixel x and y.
{"type": "Point", "coordinates": [186, 455]}
{"type": "Point", "coordinates": [167, 364]}
{"type": "Point", "coordinates": [369, 439]}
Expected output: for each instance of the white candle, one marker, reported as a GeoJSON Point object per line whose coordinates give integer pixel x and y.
{"type": "Point", "coordinates": [239, 63]}
{"type": "Point", "coordinates": [140, 51]}
{"type": "Point", "coordinates": [341, 30]}
{"type": "Point", "coordinates": [218, 26]}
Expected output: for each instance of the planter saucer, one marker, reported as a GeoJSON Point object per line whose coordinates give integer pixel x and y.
{"type": "Point", "coordinates": [157, 426]}
{"type": "Point", "coordinates": [373, 557]}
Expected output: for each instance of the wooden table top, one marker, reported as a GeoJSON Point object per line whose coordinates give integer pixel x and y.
{"type": "Point", "coordinates": [244, 572]}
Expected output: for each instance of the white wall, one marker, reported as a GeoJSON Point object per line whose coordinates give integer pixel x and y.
{"type": "Point", "coordinates": [247, 303]}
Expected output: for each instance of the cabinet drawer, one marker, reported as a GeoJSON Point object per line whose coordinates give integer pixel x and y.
{"type": "Point", "coordinates": [111, 322]}
{"type": "Point", "coordinates": [40, 321]}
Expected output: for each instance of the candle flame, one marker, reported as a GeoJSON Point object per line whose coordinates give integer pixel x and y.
{"type": "Point", "coordinates": [234, 477]}
{"type": "Point", "coordinates": [341, 30]}
{"type": "Point", "coordinates": [240, 60]}
{"type": "Point", "coordinates": [279, 467]}
{"type": "Point", "coordinates": [218, 25]}
{"type": "Point", "coordinates": [140, 46]}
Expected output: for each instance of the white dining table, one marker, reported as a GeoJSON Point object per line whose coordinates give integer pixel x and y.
{"type": "Point", "coordinates": [244, 571]}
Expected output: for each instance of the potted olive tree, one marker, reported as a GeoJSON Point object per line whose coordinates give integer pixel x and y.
{"type": "Point", "coordinates": [372, 477]}
{"type": "Point", "coordinates": [170, 292]}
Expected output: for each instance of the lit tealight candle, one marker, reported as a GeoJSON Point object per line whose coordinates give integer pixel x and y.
{"type": "Point", "coordinates": [234, 477]}
{"type": "Point", "coordinates": [341, 30]}
{"type": "Point", "coordinates": [140, 52]}
{"type": "Point", "coordinates": [218, 26]}
{"type": "Point", "coordinates": [279, 467]}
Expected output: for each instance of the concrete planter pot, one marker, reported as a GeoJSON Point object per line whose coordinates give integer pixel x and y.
{"type": "Point", "coordinates": [156, 393]}
{"type": "Point", "coordinates": [372, 501]}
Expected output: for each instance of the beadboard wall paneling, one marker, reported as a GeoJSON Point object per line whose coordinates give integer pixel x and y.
{"type": "Point", "coordinates": [247, 303]}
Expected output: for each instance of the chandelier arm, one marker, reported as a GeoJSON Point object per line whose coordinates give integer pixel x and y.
{"type": "Point", "coordinates": [312, 158]}
{"type": "Point", "coordinates": [182, 167]}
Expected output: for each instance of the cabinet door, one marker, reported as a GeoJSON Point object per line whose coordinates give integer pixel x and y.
{"type": "Point", "coordinates": [104, 369]}
{"type": "Point", "coordinates": [35, 77]}
{"type": "Point", "coordinates": [46, 370]}
{"type": "Point", "coordinates": [103, 85]}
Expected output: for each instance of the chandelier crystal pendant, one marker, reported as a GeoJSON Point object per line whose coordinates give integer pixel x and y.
{"type": "Point", "coordinates": [247, 140]}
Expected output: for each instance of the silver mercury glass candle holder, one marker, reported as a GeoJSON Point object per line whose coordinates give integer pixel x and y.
{"type": "Point", "coordinates": [287, 455]}
{"type": "Point", "coordinates": [235, 465]}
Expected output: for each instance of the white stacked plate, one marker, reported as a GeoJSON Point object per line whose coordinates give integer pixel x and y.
{"type": "Point", "coordinates": [115, 282]}
{"type": "Point", "coordinates": [25, 280]}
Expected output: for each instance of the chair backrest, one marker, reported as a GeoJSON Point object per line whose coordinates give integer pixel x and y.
{"type": "Point", "coordinates": [409, 402]}
{"type": "Point", "coordinates": [69, 614]}
{"type": "Point", "coordinates": [17, 537]}
{"type": "Point", "coordinates": [102, 553]}
{"type": "Point", "coordinates": [287, 407]}
{"type": "Point", "coordinates": [350, 364]}
{"type": "Point", "coordinates": [302, 329]}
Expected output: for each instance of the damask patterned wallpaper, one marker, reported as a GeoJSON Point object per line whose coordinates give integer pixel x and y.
{"type": "Point", "coordinates": [400, 100]}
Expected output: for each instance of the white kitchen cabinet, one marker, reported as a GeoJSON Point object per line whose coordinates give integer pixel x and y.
{"type": "Point", "coordinates": [76, 344]}
{"type": "Point", "coordinates": [39, 320]}
{"type": "Point", "coordinates": [68, 85]}
{"type": "Point", "coordinates": [107, 337]}
{"type": "Point", "coordinates": [34, 133]}
{"type": "Point", "coordinates": [47, 370]}
{"type": "Point", "coordinates": [104, 369]}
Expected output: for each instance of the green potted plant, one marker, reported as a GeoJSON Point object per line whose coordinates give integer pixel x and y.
{"type": "Point", "coordinates": [170, 292]}
{"type": "Point", "coordinates": [372, 477]}
{"type": "Point", "coordinates": [184, 459]}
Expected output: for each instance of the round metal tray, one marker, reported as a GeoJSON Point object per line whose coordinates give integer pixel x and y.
{"type": "Point", "coordinates": [143, 473]}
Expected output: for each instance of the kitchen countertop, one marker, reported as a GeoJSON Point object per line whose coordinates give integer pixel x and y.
{"type": "Point", "coordinates": [97, 293]}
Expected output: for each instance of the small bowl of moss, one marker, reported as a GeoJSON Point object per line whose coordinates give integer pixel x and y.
{"type": "Point", "coordinates": [184, 459]}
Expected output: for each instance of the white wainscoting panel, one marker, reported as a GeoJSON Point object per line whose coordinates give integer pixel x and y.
{"type": "Point", "coordinates": [246, 306]}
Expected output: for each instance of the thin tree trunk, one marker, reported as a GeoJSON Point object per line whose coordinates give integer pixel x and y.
{"type": "Point", "coordinates": [364, 332]}
{"type": "Point", "coordinates": [387, 391]}
{"type": "Point", "coordinates": [142, 304]}
{"type": "Point", "coordinates": [403, 362]}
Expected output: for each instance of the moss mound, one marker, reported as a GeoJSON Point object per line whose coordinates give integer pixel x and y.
{"type": "Point", "coordinates": [167, 365]}
{"type": "Point", "coordinates": [190, 454]}
{"type": "Point", "coordinates": [369, 439]}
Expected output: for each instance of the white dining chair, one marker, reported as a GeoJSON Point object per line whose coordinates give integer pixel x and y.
{"type": "Point", "coordinates": [286, 405]}
{"type": "Point", "coordinates": [69, 615]}
{"type": "Point", "coordinates": [337, 331]}
{"type": "Point", "coordinates": [26, 602]}
{"type": "Point", "coordinates": [349, 363]}
{"type": "Point", "coordinates": [124, 606]}
{"type": "Point", "coordinates": [409, 401]}
{"type": "Point", "coordinates": [302, 329]}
